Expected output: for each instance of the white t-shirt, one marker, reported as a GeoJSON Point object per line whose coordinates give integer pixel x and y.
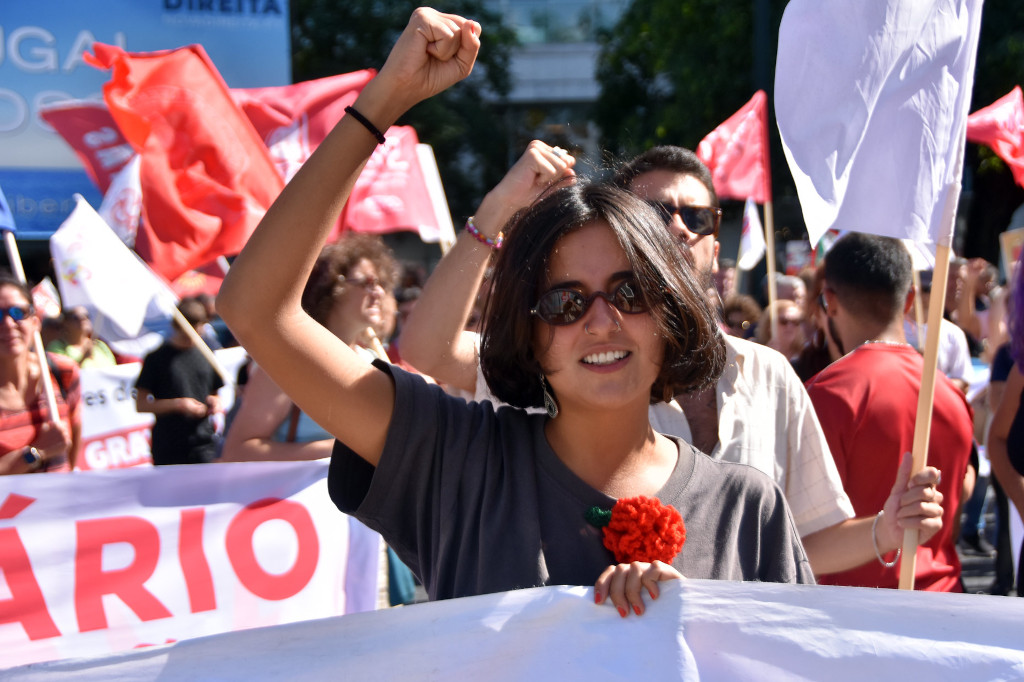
{"type": "Point", "coordinates": [954, 356]}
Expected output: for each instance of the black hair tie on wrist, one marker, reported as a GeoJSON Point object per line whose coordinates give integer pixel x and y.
{"type": "Point", "coordinates": [366, 123]}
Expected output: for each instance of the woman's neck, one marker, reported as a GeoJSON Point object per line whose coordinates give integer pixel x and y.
{"type": "Point", "coordinates": [615, 451]}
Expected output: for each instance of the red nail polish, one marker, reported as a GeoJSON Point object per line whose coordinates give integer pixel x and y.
{"type": "Point", "coordinates": [597, 597]}
{"type": "Point", "coordinates": [637, 610]}
{"type": "Point", "coordinates": [622, 612]}
{"type": "Point", "coordinates": [651, 592]}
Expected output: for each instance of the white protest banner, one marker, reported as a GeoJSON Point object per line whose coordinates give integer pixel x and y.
{"type": "Point", "coordinates": [107, 561]}
{"type": "Point", "coordinates": [114, 435]}
{"type": "Point", "coordinates": [714, 631]}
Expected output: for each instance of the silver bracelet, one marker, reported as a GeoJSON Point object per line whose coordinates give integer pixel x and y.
{"type": "Point", "coordinates": [874, 541]}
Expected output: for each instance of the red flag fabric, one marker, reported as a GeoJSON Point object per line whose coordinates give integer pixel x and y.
{"type": "Point", "coordinates": [207, 178]}
{"type": "Point", "coordinates": [391, 193]}
{"type": "Point", "coordinates": [91, 132]}
{"type": "Point", "coordinates": [737, 153]}
{"type": "Point", "coordinates": [1000, 126]}
{"type": "Point", "coordinates": [294, 119]}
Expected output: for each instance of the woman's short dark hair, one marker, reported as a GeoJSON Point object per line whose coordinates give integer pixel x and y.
{"type": "Point", "coordinates": [336, 261]}
{"type": "Point", "coordinates": [694, 349]}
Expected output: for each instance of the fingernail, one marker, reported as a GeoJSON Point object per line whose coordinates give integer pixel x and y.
{"type": "Point", "coordinates": [597, 597]}
{"type": "Point", "coordinates": [637, 610]}
{"type": "Point", "coordinates": [622, 612]}
{"type": "Point", "coordinates": [651, 592]}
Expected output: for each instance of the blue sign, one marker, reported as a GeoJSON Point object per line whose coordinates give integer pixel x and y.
{"type": "Point", "coordinates": [41, 47]}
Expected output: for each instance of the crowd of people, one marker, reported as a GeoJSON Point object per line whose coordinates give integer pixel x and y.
{"type": "Point", "coordinates": [577, 394]}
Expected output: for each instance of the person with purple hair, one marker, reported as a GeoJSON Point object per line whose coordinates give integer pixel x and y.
{"type": "Point", "coordinates": [1006, 434]}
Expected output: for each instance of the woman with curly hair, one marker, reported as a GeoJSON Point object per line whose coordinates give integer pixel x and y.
{"type": "Point", "coordinates": [346, 293]}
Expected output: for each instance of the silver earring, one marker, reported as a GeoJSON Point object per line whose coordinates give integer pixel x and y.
{"type": "Point", "coordinates": [549, 400]}
{"type": "Point", "coordinates": [586, 328]}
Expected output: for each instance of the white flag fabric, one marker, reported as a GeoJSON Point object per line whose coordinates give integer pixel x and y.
{"type": "Point", "coordinates": [96, 270]}
{"type": "Point", "coordinates": [871, 100]}
{"type": "Point", "coordinates": [752, 246]}
{"type": "Point", "coordinates": [122, 204]}
{"type": "Point", "coordinates": [714, 631]}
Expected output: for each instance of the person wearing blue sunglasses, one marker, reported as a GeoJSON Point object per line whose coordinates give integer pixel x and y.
{"type": "Point", "coordinates": [594, 312]}
{"type": "Point", "coordinates": [31, 440]}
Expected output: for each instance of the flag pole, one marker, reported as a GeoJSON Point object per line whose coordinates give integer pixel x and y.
{"type": "Point", "coordinates": [926, 398]}
{"type": "Point", "coordinates": [14, 257]}
{"type": "Point", "coordinates": [200, 344]}
{"type": "Point", "coordinates": [769, 224]}
{"type": "Point", "coordinates": [769, 241]}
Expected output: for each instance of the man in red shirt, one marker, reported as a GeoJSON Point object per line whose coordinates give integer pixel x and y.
{"type": "Point", "coordinates": [867, 405]}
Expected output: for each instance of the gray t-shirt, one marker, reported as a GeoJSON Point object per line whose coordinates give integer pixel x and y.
{"type": "Point", "coordinates": [475, 501]}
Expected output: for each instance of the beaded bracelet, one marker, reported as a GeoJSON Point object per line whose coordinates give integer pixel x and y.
{"type": "Point", "coordinates": [477, 235]}
{"type": "Point", "coordinates": [366, 124]}
{"type": "Point", "coordinates": [874, 541]}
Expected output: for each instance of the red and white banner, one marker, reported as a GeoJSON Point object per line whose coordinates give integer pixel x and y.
{"type": "Point", "coordinates": [114, 435]}
{"type": "Point", "coordinates": [294, 119]}
{"type": "Point", "coordinates": [1000, 125]}
{"type": "Point", "coordinates": [713, 631]}
{"type": "Point", "coordinates": [93, 135]}
{"type": "Point", "coordinates": [207, 177]}
{"type": "Point", "coordinates": [736, 153]}
{"type": "Point", "coordinates": [101, 562]}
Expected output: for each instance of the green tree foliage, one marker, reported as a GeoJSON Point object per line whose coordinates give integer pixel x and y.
{"type": "Point", "coordinates": [672, 70]}
{"type": "Point", "coordinates": [463, 124]}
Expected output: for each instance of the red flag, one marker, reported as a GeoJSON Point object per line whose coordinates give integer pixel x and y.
{"type": "Point", "coordinates": [294, 119]}
{"type": "Point", "coordinates": [737, 153]}
{"type": "Point", "coordinates": [93, 135]}
{"type": "Point", "coordinates": [391, 193]}
{"type": "Point", "coordinates": [1000, 126]}
{"type": "Point", "coordinates": [207, 178]}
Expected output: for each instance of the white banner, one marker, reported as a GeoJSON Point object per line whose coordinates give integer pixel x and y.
{"type": "Point", "coordinates": [698, 629]}
{"type": "Point", "coordinates": [114, 435]}
{"type": "Point", "coordinates": [106, 561]}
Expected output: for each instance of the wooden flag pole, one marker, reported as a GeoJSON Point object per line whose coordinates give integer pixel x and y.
{"type": "Point", "coordinates": [200, 344]}
{"type": "Point", "coordinates": [769, 243]}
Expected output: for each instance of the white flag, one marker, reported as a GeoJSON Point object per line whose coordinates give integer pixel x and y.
{"type": "Point", "coordinates": [122, 204]}
{"type": "Point", "coordinates": [871, 100]}
{"type": "Point", "coordinates": [96, 270]}
{"type": "Point", "coordinates": [752, 246]}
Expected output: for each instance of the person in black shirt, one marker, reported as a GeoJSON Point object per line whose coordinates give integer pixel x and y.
{"type": "Point", "coordinates": [179, 386]}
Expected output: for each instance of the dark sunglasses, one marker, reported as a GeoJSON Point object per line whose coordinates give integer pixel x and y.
{"type": "Point", "coordinates": [702, 220]}
{"type": "Point", "coordinates": [565, 306]}
{"type": "Point", "coordinates": [367, 283]}
{"type": "Point", "coordinates": [15, 312]}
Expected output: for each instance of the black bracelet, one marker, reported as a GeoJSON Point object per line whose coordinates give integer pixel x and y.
{"type": "Point", "coordinates": [366, 123]}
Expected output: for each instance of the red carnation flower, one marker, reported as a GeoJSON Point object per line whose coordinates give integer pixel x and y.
{"type": "Point", "coordinates": [641, 529]}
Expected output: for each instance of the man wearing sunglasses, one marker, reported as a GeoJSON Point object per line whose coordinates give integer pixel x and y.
{"type": "Point", "coordinates": [758, 414]}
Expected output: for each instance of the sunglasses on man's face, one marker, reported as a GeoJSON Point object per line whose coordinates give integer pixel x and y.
{"type": "Point", "coordinates": [15, 312]}
{"type": "Point", "coordinates": [565, 306]}
{"type": "Point", "coordinates": [702, 220]}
